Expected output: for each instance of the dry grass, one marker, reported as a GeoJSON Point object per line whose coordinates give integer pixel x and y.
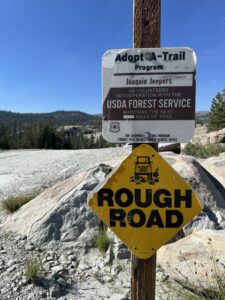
{"type": "Point", "coordinates": [102, 241]}
{"type": "Point", "coordinates": [13, 204]}
{"type": "Point", "coordinates": [33, 269]}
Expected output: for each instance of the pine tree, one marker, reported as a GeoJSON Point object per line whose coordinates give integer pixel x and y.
{"type": "Point", "coordinates": [48, 138]}
{"type": "Point", "coordinates": [217, 113]}
{"type": "Point", "coordinates": [92, 144]}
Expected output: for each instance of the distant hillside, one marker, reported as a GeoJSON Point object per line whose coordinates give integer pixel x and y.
{"type": "Point", "coordinates": [65, 118]}
{"type": "Point", "coordinates": [201, 117]}
{"type": "Point", "coordinates": [56, 118]}
{"type": "Point", "coordinates": [56, 130]}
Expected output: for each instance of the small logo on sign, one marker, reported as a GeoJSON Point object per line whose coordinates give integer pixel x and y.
{"type": "Point", "coordinates": [114, 127]}
{"type": "Point", "coordinates": [143, 171]}
{"type": "Point", "coordinates": [147, 134]}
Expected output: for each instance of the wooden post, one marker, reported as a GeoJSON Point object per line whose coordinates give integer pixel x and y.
{"type": "Point", "coordinates": [146, 35]}
{"type": "Point", "coordinates": [147, 23]}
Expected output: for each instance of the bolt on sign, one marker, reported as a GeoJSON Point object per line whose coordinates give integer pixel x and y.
{"type": "Point", "coordinates": [149, 95]}
{"type": "Point", "coordinates": [145, 202]}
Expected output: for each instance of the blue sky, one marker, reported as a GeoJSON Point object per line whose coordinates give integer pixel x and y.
{"type": "Point", "coordinates": [50, 50]}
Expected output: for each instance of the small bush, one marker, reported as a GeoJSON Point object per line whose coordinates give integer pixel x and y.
{"type": "Point", "coordinates": [33, 269]}
{"type": "Point", "coordinates": [102, 241]}
{"type": "Point", "coordinates": [200, 151]}
{"type": "Point", "coordinates": [13, 204]}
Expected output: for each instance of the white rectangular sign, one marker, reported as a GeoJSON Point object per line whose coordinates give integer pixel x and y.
{"type": "Point", "coordinates": [149, 95]}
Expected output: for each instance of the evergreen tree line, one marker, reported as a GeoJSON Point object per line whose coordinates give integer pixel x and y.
{"type": "Point", "coordinates": [58, 118]}
{"type": "Point", "coordinates": [45, 136]}
{"type": "Point", "coordinates": [217, 112]}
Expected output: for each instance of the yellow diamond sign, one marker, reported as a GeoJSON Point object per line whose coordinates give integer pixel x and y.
{"type": "Point", "coordinates": [145, 202]}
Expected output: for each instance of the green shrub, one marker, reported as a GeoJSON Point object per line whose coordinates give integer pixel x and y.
{"type": "Point", "coordinates": [203, 151]}
{"type": "Point", "coordinates": [13, 204]}
{"type": "Point", "coordinates": [33, 269]}
{"type": "Point", "coordinates": [102, 241]}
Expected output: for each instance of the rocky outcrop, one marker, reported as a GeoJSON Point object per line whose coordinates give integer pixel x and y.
{"type": "Point", "coordinates": [197, 261]}
{"type": "Point", "coordinates": [215, 137]}
{"type": "Point", "coordinates": [61, 214]}
{"type": "Point", "coordinates": [216, 167]}
{"type": "Point", "coordinates": [209, 191]}
{"type": "Point", "coordinates": [25, 171]}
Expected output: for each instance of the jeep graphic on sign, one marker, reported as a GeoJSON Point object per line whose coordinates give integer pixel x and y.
{"type": "Point", "coordinates": [143, 171]}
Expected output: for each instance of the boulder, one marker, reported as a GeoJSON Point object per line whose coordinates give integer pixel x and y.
{"type": "Point", "coordinates": [209, 191]}
{"type": "Point", "coordinates": [61, 212]}
{"type": "Point", "coordinates": [197, 261]}
{"type": "Point", "coordinates": [216, 167]}
{"type": "Point", "coordinates": [215, 137]}
{"type": "Point", "coordinates": [23, 220]}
